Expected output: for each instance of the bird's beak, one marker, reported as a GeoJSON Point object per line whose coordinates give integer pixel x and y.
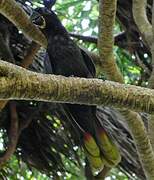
{"type": "Point", "coordinates": [38, 20]}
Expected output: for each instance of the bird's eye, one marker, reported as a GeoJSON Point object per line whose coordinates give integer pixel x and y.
{"type": "Point", "coordinates": [39, 21]}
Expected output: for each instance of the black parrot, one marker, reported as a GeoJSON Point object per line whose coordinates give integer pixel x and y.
{"type": "Point", "coordinates": [67, 59]}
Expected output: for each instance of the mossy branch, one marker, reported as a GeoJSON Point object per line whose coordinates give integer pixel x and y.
{"type": "Point", "coordinates": [11, 10]}
{"type": "Point", "coordinates": [142, 142]}
{"type": "Point", "coordinates": [141, 20]}
{"type": "Point", "coordinates": [107, 10]}
{"type": "Point", "coordinates": [19, 83]}
{"type": "Point", "coordinates": [151, 84]}
{"type": "Point", "coordinates": [28, 60]}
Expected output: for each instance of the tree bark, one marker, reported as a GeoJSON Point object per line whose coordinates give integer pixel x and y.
{"type": "Point", "coordinates": [19, 83]}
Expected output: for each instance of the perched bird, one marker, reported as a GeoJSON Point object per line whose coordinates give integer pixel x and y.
{"type": "Point", "coordinates": [67, 59]}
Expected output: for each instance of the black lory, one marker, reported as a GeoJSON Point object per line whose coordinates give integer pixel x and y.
{"type": "Point", "coordinates": [67, 59]}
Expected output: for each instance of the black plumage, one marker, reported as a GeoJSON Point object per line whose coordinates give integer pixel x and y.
{"type": "Point", "coordinates": [68, 59]}
{"type": "Point", "coordinates": [49, 3]}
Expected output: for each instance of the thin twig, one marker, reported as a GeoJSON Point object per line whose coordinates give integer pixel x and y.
{"type": "Point", "coordinates": [29, 58]}
{"type": "Point", "coordinates": [119, 40]}
{"type": "Point", "coordinates": [13, 135]}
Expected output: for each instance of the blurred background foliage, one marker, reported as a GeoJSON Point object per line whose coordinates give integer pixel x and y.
{"type": "Point", "coordinates": [79, 17]}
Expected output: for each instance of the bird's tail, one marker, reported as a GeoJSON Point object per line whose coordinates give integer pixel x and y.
{"type": "Point", "coordinates": [98, 146]}
{"type": "Point", "coordinates": [100, 149]}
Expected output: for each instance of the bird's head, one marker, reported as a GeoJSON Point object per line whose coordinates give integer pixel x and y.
{"type": "Point", "coordinates": [49, 3]}
{"type": "Point", "coordinates": [47, 21]}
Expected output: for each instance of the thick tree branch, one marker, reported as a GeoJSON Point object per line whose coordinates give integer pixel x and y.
{"type": "Point", "coordinates": [151, 79]}
{"type": "Point", "coordinates": [11, 10]}
{"type": "Point", "coordinates": [107, 11]}
{"type": "Point", "coordinates": [18, 83]}
{"type": "Point", "coordinates": [6, 54]}
{"type": "Point", "coordinates": [151, 85]}
{"type": "Point", "coordinates": [140, 17]}
{"type": "Point", "coordinates": [142, 142]}
{"type": "Point", "coordinates": [28, 60]}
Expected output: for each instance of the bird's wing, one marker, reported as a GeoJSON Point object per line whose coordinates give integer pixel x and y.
{"type": "Point", "coordinates": [66, 57]}
{"type": "Point", "coordinates": [47, 65]}
{"type": "Point", "coordinates": [89, 62]}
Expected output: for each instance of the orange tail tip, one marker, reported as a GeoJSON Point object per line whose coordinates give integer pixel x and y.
{"type": "Point", "coordinates": [90, 145]}
{"type": "Point", "coordinates": [87, 136]}
{"type": "Point", "coordinates": [104, 138]}
{"type": "Point", "coordinates": [89, 141]}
